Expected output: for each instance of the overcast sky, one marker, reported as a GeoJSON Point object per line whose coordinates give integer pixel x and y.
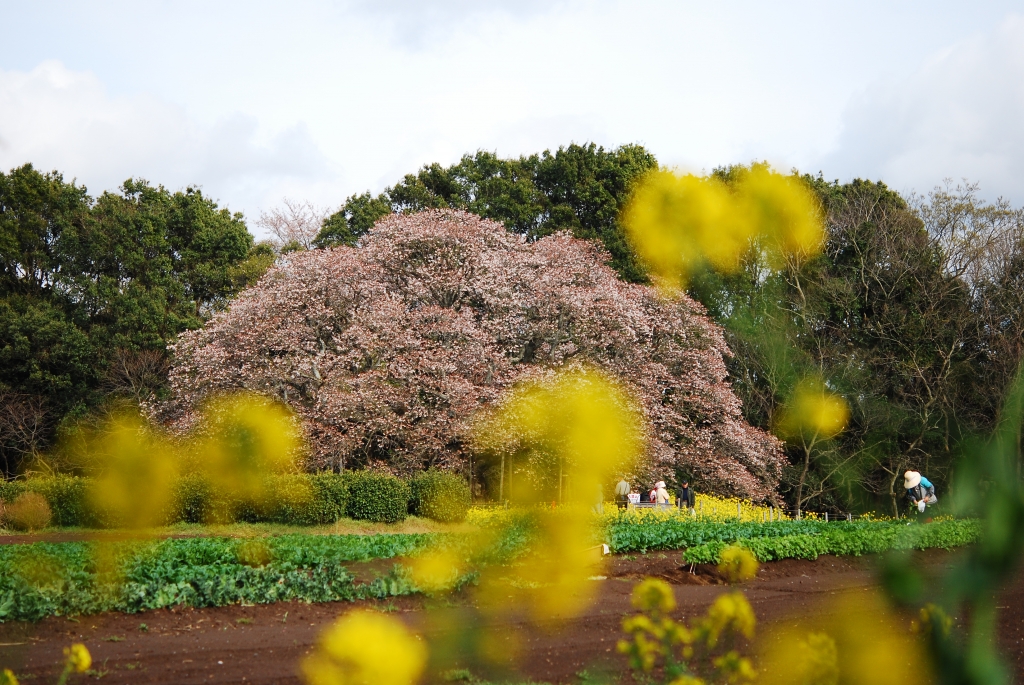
{"type": "Point", "coordinates": [315, 101]}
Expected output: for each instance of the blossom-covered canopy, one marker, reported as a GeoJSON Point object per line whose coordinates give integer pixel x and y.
{"type": "Point", "coordinates": [386, 351]}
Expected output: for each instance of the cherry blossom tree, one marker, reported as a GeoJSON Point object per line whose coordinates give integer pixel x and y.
{"type": "Point", "coordinates": [293, 226]}
{"type": "Point", "coordinates": [387, 350]}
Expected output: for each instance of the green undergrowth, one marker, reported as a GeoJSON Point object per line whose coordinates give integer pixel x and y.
{"type": "Point", "coordinates": [679, 532]}
{"type": "Point", "coordinates": [841, 539]}
{"type": "Point", "coordinates": [70, 578]}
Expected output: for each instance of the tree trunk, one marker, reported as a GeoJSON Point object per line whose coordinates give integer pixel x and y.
{"type": "Point", "coordinates": [803, 479]}
{"type": "Point", "coordinates": [501, 481]}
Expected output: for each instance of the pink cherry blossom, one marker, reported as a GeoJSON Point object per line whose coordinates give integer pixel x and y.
{"type": "Point", "coordinates": [387, 350]}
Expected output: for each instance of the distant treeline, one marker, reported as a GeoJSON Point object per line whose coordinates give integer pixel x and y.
{"type": "Point", "coordinates": [92, 290]}
{"type": "Point", "coordinates": [913, 312]}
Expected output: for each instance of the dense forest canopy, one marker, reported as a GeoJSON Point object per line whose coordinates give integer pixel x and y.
{"type": "Point", "coordinates": [579, 188]}
{"type": "Point", "coordinates": [913, 311]}
{"type": "Point", "coordinates": [93, 289]}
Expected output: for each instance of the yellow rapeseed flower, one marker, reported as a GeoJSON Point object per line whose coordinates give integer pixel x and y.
{"type": "Point", "coordinates": [77, 658]}
{"type": "Point", "coordinates": [734, 668]}
{"type": "Point", "coordinates": [137, 468]}
{"type": "Point", "coordinates": [687, 680]}
{"type": "Point", "coordinates": [813, 411]}
{"type": "Point", "coordinates": [677, 222]}
{"type": "Point", "coordinates": [783, 213]}
{"type": "Point", "coordinates": [436, 570]}
{"type": "Point", "coordinates": [729, 612]}
{"type": "Point", "coordinates": [653, 595]}
{"type": "Point", "coordinates": [582, 423]}
{"type": "Point", "coordinates": [858, 637]}
{"type": "Point", "coordinates": [244, 439]}
{"type": "Point", "coordinates": [7, 677]}
{"type": "Point", "coordinates": [365, 648]}
{"type": "Point", "coordinates": [738, 564]}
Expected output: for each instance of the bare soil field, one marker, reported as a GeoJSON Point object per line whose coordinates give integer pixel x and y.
{"type": "Point", "coordinates": [263, 644]}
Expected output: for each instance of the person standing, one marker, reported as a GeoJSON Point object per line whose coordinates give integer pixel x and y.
{"type": "Point", "coordinates": [622, 493]}
{"type": "Point", "coordinates": [920, 490]}
{"type": "Point", "coordinates": [685, 497]}
{"type": "Point", "coordinates": [661, 495]}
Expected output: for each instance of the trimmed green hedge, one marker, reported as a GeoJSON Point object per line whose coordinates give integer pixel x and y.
{"type": "Point", "coordinates": [378, 497]}
{"type": "Point", "coordinates": [439, 496]}
{"type": "Point", "coordinates": [300, 499]}
{"type": "Point", "coordinates": [66, 496]}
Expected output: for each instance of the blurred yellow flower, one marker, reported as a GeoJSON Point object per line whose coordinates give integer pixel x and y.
{"type": "Point", "coordinates": [783, 212]}
{"type": "Point", "coordinates": [856, 639]}
{"type": "Point", "coordinates": [77, 658]}
{"type": "Point", "coordinates": [813, 411]}
{"type": "Point", "coordinates": [137, 468]}
{"type": "Point", "coordinates": [933, 619]}
{"type": "Point", "coordinates": [436, 570]}
{"type": "Point", "coordinates": [365, 648]}
{"type": "Point", "coordinates": [687, 680]}
{"type": "Point", "coordinates": [7, 677]}
{"type": "Point", "coordinates": [735, 668]}
{"type": "Point", "coordinates": [729, 612]}
{"type": "Point", "coordinates": [738, 564]}
{"type": "Point", "coordinates": [678, 223]}
{"type": "Point", "coordinates": [653, 595]}
{"type": "Point", "coordinates": [244, 439]}
{"type": "Point", "coordinates": [587, 428]}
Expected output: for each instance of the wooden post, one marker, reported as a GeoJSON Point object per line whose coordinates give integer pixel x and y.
{"type": "Point", "coordinates": [826, 517]}
{"type": "Point", "coordinates": [739, 510]}
{"type": "Point", "coordinates": [501, 480]}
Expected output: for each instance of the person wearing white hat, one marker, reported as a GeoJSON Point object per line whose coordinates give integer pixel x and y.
{"type": "Point", "coordinates": [661, 494]}
{"type": "Point", "coordinates": [919, 489]}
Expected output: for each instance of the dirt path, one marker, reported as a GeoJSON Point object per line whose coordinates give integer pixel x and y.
{"type": "Point", "coordinates": [263, 644]}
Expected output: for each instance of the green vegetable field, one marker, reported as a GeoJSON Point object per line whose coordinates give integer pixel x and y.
{"type": "Point", "coordinates": [70, 578]}
{"type": "Point", "coordinates": [44, 579]}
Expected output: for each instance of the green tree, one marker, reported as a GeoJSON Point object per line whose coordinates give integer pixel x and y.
{"type": "Point", "coordinates": [579, 188]}
{"type": "Point", "coordinates": [881, 317]}
{"type": "Point", "coordinates": [92, 292]}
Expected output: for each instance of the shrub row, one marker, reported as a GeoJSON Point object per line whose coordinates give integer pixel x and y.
{"type": "Point", "coordinates": [300, 499]}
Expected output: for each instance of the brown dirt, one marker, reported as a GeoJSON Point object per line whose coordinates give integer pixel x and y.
{"type": "Point", "coordinates": [263, 644]}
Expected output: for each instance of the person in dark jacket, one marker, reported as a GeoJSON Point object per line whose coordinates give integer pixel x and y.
{"type": "Point", "coordinates": [685, 496]}
{"type": "Point", "coordinates": [920, 490]}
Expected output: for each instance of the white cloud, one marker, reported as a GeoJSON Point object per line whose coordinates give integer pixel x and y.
{"type": "Point", "coordinates": [61, 119]}
{"type": "Point", "coordinates": [961, 115]}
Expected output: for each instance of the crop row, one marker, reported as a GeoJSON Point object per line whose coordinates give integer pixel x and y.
{"type": "Point", "coordinates": [45, 579]}
{"type": "Point", "coordinates": [843, 539]}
